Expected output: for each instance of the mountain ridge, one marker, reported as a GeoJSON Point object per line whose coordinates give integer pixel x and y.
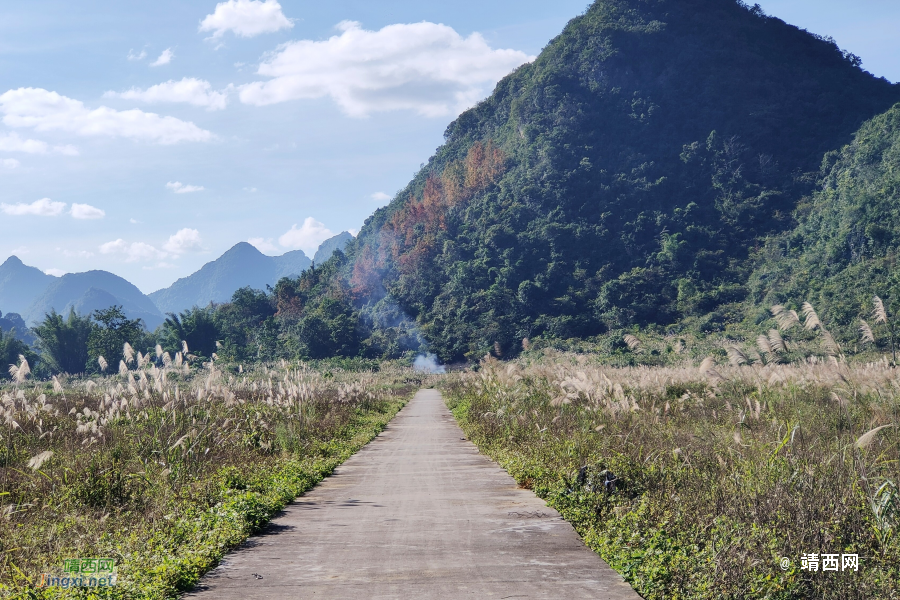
{"type": "Point", "coordinates": [620, 179]}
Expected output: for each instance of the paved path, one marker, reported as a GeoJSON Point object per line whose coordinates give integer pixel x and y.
{"type": "Point", "coordinates": [418, 513]}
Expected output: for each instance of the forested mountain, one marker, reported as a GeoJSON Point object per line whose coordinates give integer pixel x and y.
{"type": "Point", "coordinates": [845, 247]}
{"type": "Point", "coordinates": [241, 266]}
{"type": "Point", "coordinates": [623, 177]}
{"type": "Point", "coordinates": [20, 285]}
{"type": "Point", "coordinates": [93, 290]}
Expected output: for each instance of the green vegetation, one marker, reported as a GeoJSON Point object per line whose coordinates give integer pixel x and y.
{"type": "Point", "coordinates": [624, 177]}
{"type": "Point", "coordinates": [718, 472]}
{"type": "Point", "coordinates": [844, 249]}
{"type": "Point", "coordinates": [166, 469]}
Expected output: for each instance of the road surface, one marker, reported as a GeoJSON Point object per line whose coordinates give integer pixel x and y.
{"type": "Point", "coordinates": [418, 513]}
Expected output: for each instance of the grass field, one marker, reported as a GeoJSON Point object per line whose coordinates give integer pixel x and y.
{"type": "Point", "coordinates": [719, 472]}
{"type": "Point", "coordinates": [165, 469]}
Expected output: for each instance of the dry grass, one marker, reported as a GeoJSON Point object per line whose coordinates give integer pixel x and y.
{"type": "Point", "coordinates": [130, 465]}
{"type": "Point", "coordinates": [722, 470]}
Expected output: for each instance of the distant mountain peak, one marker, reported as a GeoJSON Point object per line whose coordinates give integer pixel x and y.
{"type": "Point", "coordinates": [327, 248]}
{"type": "Point", "coordinates": [13, 261]}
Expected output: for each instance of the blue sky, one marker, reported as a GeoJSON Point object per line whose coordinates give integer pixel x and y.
{"type": "Point", "coordinates": [148, 137]}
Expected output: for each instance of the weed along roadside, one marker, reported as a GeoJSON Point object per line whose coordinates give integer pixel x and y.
{"type": "Point", "coordinates": [163, 472]}
{"type": "Point", "coordinates": [726, 483]}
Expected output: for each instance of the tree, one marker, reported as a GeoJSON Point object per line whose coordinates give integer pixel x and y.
{"type": "Point", "coordinates": [64, 342]}
{"type": "Point", "coordinates": [196, 326]}
{"type": "Point", "coordinates": [329, 330]}
{"type": "Point", "coordinates": [10, 350]}
{"type": "Point", "coordinates": [111, 330]}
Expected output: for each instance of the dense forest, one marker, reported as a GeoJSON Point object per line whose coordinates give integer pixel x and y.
{"type": "Point", "coordinates": [627, 176]}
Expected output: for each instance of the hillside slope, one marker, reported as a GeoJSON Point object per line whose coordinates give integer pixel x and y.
{"type": "Point", "coordinates": [846, 246]}
{"type": "Point", "coordinates": [327, 248]}
{"type": "Point", "coordinates": [20, 285]}
{"type": "Point", "coordinates": [93, 290]}
{"type": "Point", "coordinates": [216, 281]}
{"type": "Point", "coordinates": [621, 178]}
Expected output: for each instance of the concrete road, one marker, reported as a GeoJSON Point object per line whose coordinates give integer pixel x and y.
{"type": "Point", "coordinates": [418, 513]}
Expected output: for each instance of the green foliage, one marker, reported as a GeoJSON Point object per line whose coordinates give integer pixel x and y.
{"type": "Point", "coordinates": [845, 247]}
{"type": "Point", "coordinates": [623, 177]}
{"type": "Point", "coordinates": [10, 350]}
{"type": "Point", "coordinates": [64, 342]}
{"type": "Point", "coordinates": [196, 326]}
{"type": "Point", "coordinates": [108, 337]}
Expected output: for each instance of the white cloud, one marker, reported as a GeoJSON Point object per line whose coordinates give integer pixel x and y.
{"type": "Point", "coordinates": [245, 18]}
{"type": "Point", "coordinates": [45, 111]}
{"type": "Point", "coordinates": [181, 188]}
{"type": "Point", "coordinates": [353, 232]}
{"type": "Point", "coordinates": [307, 237]}
{"type": "Point", "coordinates": [9, 163]}
{"type": "Point", "coordinates": [425, 67]}
{"type": "Point", "coordinates": [132, 252]}
{"type": "Point", "coordinates": [86, 211]}
{"type": "Point", "coordinates": [380, 197]}
{"type": "Point", "coordinates": [140, 56]}
{"type": "Point", "coordinates": [164, 58]}
{"type": "Point", "coordinates": [185, 240]}
{"type": "Point", "coordinates": [13, 143]}
{"type": "Point", "coordinates": [133, 221]}
{"type": "Point", "coordinates": [55, 272]}
{"type": "Point", "coordinates": [264, 245]}
{"type": "Point", "coordinates": [41, 208]}
{"type": "Point", "coordinates": [189, 90]}
{"type": "Point", "coordinates": [250, 190]}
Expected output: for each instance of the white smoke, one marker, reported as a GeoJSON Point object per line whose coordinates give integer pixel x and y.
{"type": "Point", "coordinates": [427, 363]}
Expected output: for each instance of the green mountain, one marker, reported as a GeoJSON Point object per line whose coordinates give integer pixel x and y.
{"type": "Point", "coordinates": [241, 266]}
{"type": "Point", "coordinates": [93, 290]}
{"type": "Point", "coordinates": [846, 245]}
{"type": "Point", "coordinates": [624, 177]}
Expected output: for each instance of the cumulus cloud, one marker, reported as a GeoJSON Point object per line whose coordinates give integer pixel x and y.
{"type": "Point", "coordinates": [264, 245]}
{"type": "Point", "coordinates": [245, 18]}
{"type": "Point", "coordinates": [46, 111]}
{"type": "Point", "coordinates": [307, 237]}
{"type": "Point", "coordinates": [181, 188]}
{"type": "Point", "coordinates": [189, 90]}
{"type": "Point", "coordinates": [9, 163]}
{"type": "Point", "coordinates": [86, 211]}
{"type": "Point", "coordinates": [40, 208]}
{"type": "Point", "coordinates": [164, 58]}
{"type": "Point", "coordinates": [184, 240]}
{"type": "Point", "coordinates": [55, 272]}
{"type": "Point", "coordinates": [139, 56]}
{"type": "Point", "coordinates": [424, 67]}
{"type": "Point", "coordinates": [11, 142]}
{"type": "Point", "coordinates": [132, 252]}
{"type": "Point", "coordinates": [380, 197]}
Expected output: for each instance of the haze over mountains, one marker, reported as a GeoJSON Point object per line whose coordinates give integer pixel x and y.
{"type": "Point", "coordinates": [30, 293]}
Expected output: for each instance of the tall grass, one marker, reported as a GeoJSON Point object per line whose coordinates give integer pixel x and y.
{"type": "Point", "coordinates": [695, 481]}
{"type": "Point", "coordinates": [165, 469]}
